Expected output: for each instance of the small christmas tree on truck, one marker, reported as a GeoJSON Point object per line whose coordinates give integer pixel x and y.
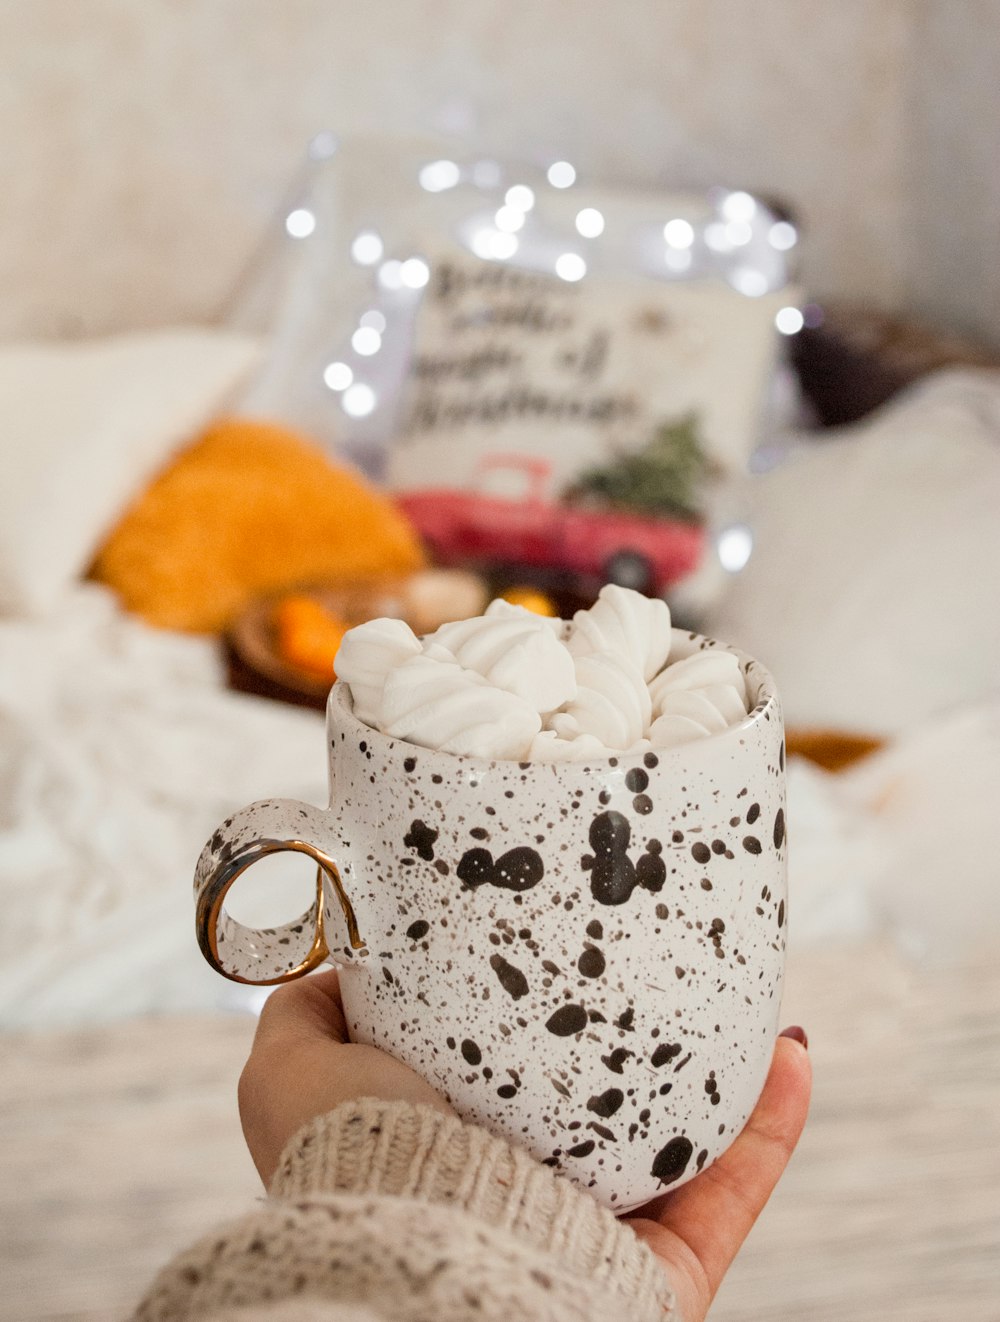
{"type": "Point", "coordinates": [665, 478]}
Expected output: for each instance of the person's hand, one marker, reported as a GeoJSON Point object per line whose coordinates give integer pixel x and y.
{"type": "Point", "coordinates": [302, 1066]}
{"type": "Point", "coordinates": [697, 1231]}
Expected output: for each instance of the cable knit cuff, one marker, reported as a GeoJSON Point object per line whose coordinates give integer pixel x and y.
{"type": "Point", "coordinates": [401, 1150]}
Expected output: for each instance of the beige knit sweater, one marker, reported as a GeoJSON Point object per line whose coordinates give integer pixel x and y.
{"type": "Point", "coordinates": [384, 1210]}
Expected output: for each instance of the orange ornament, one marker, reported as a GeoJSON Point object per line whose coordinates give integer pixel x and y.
{"type": "Point", "coordinates": [531, 599]}
{"type": "Point", "coordinates": [308, 635]}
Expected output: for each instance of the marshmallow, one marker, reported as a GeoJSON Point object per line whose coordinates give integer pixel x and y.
{"type": "Point", "coordinates": [611, 703]}
{"type": "Point", "coordinates": [626, 623]}
{"type": "Point", "coordinates": [710, 668]}
{"type": "Point", "coordinates": [366, 655]}
{"type": "Point", "coordinates": [510, 684]}
{"type": "Point", "coordinates": [514, 650]}
{"type": "Point", "coordinates": [436, 703]}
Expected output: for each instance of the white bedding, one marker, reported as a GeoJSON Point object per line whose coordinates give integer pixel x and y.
{"type": "Point", "coordinates": [120, 750]}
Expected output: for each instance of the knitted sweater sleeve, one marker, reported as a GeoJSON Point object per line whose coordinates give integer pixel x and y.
{"type": "Point", "coordinates": [385, 1210]}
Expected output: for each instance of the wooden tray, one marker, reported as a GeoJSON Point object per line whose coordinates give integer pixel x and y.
{"type": "Point", "coordinates": [251, 645]}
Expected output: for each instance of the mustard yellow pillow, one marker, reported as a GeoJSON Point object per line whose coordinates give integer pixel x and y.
{"type": "Point", "coordinates": [250, 508]}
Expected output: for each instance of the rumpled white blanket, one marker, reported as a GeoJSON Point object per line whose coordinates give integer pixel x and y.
{"type": "Point", "coordinates": [120, 751]}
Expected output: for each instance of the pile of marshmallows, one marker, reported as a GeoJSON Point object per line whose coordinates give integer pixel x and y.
{"type": "Point", "coordinates": [512, 684]}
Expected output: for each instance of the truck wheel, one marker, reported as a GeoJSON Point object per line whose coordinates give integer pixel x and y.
{"type": "Point", "coordinates": [629, 569]}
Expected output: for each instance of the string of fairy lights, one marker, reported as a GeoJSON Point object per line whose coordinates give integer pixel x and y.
{"type": "Point", "coordinates": [737, 239]}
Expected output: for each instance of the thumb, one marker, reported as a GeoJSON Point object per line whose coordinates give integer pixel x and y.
{"type": "Point", "coordinates": [698, 1230]}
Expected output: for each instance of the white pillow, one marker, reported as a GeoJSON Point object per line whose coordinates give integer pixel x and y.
{"type": "Point", "coordinates": [83, 429]}
{"type": "Point", "coordinates": [873, 590]}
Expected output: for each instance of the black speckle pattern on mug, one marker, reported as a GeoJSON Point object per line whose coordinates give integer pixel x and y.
{"type": "Point", "coordinates": [598, 939]}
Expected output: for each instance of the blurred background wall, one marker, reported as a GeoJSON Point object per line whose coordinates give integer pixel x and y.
{"type": "Point", "coordinates": [172, 127]}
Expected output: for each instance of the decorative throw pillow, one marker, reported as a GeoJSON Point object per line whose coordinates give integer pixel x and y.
{"type": "Point", "coordinates": [250, 508]}
{"type": "Point", "coordinates": [85, 427]}
{"type": "Point", "coordinates": [873, 585]}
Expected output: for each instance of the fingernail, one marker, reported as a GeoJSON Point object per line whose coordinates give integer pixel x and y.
{"type": "Point", "coordinates": [797, 1034]}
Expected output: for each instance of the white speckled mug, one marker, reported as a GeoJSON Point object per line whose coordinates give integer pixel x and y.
{"type": "Point", "coordinates": [584, 957]}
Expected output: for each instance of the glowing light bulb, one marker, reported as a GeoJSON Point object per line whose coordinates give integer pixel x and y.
{"type": "Point", "coordinates": [679, 233]}
{"type": "Point", "coordinates": [561, 174]}
{"type": "Point", "coordinates": [300, 223]}
{"type": "Point", "coordinates": [782, 235]}
{"type": "Point", "coordinates": [494, 245]}
{"type": "Point", "coordinates": [481, 242]}
{"type": "Point", "coordinates": [589, 222]}
{"type": "Point", "coordinates": [717, 237]}
{"type": "Point", "coordinates": [414, 273]}
{"type": "Point", "coordinates": [509, 219]}
{"type": "Point", "coordinates": [739, 232]}
{"type": "Point", "coordinates": [389, 276]}
{"type": "Point", "coordinates": [439, 176]}
{"type": "Point", "coordinates": [570, 266]}
{"type": "Point", "coordinates": [734, 547]}
{"type": "Point", "coordinates": [374, 319]}
{"type": "Point", "coordinates": [338, 376]}
{"type": "Point", "coordinates": [739, 206]}
{"type": "Point", "coordinates": [366, 341]}
{"type": "Point", "coordinates": [367, 248]}
{"type": "Point", "coordinates": [789, 321]}
{"type": "Point", "coordinates": [749, 281]}
{"type": "Point", "coordinates": [520, 196]}
{"type": "Point", "coordinates": [503, 246]}
{"type": "Point", "coordinates": [358, 400]}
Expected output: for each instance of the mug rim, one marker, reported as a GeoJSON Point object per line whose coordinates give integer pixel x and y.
{"type": "Point", "coordinates": [766, 703]}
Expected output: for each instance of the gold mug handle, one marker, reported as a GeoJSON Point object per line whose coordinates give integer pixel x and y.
{"type": "Point", "coordinates": [271, 955]}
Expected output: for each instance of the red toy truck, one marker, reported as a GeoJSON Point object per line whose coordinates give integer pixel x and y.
{"type": "Point", "coordinates": [472, 525]}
